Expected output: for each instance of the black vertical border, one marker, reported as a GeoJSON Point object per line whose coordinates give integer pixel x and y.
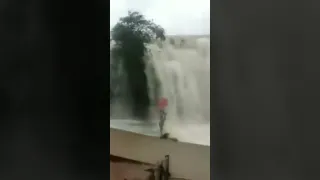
{"type": "Point", "coordinates": [216, 58]}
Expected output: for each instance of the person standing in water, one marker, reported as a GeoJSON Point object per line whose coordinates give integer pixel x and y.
{"type": "Point", "coordinates": [163, 103]}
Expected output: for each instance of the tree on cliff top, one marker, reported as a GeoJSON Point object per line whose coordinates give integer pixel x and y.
{"type": "Point", "coordinates": [130, 35]}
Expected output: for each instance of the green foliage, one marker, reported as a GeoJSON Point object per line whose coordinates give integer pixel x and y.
{"type": "Point", "coordinates": [130, 34]}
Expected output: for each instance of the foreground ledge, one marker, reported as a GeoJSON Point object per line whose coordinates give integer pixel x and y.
{"type": "Point", "coordinates": [189, 161]}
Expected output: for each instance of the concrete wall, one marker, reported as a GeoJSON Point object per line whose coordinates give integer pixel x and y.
{"type": "Point", "coordinates": [188, 161]}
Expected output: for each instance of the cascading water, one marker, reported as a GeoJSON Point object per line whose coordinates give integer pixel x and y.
{"type": "Point", "coordinates": [181, 73]}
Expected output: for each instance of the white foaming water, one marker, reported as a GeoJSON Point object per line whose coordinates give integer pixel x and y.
{"type": "Point", "coordinates": [184, 75]}
{"type": "Point", "coordinates": [191, 133]}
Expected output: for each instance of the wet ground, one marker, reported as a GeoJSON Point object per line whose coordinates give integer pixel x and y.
{"type": "Point", "coordinates": [147, 128]}
{"type": "Point", "coordinates": [192, 133]}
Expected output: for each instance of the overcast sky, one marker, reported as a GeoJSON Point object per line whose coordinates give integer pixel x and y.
{"type": "Point", "coordinates": [177, 17]}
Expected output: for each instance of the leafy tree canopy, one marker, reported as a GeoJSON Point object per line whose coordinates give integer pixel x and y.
{"type": "Point", "coordinates": [130, 34]}
{"type": "Point", "coordinates": [136, 25]}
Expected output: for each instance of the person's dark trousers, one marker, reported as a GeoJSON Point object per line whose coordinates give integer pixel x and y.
{"type": "Point", "coordinates": [162, 121]}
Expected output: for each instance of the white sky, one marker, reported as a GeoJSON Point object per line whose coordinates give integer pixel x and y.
{"type": "Point", "coordinates": [177, 17]}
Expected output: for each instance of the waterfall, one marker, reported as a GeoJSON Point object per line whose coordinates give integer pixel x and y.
{"type": "Point", "coordinates": [180, 72]}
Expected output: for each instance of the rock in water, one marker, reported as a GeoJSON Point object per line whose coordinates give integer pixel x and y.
{"type": "Point", "coordinates": [167, 136]}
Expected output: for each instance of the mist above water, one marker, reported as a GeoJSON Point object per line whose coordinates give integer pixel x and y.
{"type": "Point", "coordinates": [179, 70]}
